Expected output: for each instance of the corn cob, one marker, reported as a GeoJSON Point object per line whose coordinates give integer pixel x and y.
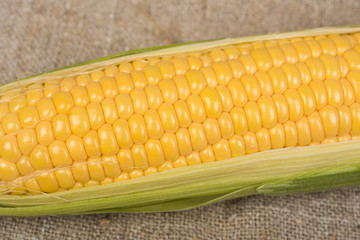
{"type": "Point", "coordinates": [115, 122]}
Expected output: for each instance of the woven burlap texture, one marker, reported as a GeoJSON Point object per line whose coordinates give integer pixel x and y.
{"type": "Point", "coordinates": [39, 35]}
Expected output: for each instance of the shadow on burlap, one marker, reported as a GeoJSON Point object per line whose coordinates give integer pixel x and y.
{"type": "Point", "coordinates": [36, 36]}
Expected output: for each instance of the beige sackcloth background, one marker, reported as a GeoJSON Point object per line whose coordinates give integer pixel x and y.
{"type": "Point", "coordinates": [39, 35]}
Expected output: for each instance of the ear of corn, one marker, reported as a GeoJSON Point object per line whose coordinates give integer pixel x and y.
{"type": "Point", "coordinates": [182, 126]}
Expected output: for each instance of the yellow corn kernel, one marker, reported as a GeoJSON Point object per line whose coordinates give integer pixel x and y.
{"type": "Point", "coordinates": [327, 45]}
{"type": "Point", "coordinates": [196, 108]}
{"type": "Point", "coordinates": [150, 170]}
{"type": "Point", "coordinates": [166, 69]}
{"type": "Point", "coordinates": [182, 113]}
{"type": "Point", "coordinates": [344, 68]}
{"type": "Point", "coordinates": [251, 145]}
{"type": "Point", "coordinates": [83, 80]}
{"type": "Point", "coordinates": [139, 101]}
{"type": "Point", "coordinates": [302, 49]}
{"type": "Point", "coordinates": [183, 137]}
{"type": "Point", "coordinates": [168, 117]}
{"type": "Point", "coordinates": [24, 166]}
{"type": "Point", "coordinates": [294, 103]}
{"type": "Point", "coordinates": [59, 154]}
{"type": "Point", "coordinates": [304, 72]}
{"type": "Point", "coordinates": [125, 160]}
{"type": "Point", "coordinates": [125, 67]}
{"type": "Point", "coordinates": [63, 102]}
{"type": "Point", "coordinates": [238, 118]}
{"type": "Point", "coordinates": [354, 78]}
{"type": "Point", "coordinates": [153, 126]}
{"type": "Point", "coordinates": [263, 139]}
{"type": "Point", "coordinates": [80, 172]}
{"type": "Point", "coordinates": [96, 170]}
{"type": "Point", "coordinates": [292, 75]}
{"type": "Point", "coordinates": [320, 93]}
{"type": "Point", "coordinates": [197, 136]}
{"type": "Point", "coordinates": [124, 106]}
{"type": "Point", "coordinates": [225, 96]}
{"type": "Point", "coordinates": [26, 139]}
{"type": "Point", "coordinates": [152, 74]}
{"type": "Point", "coordinates": [278, 80]}
{"type": "Point", "coordinates": [210, 77]}
{"type": "Point", "coordinates": [50, 88]}
{"type": "Point", "coordinates": [180, 162]}
{"type": "Point", "coordinates": [109, 110]}
{"type": "Point", "coordinates": [193, 158]}
{"type": "Point", "coordinates": [223, 72]}
{"type": "Point", "coordinates": [355, 118]}
{"type": "Point", "coordinates": [8, 170]}
{"type": "Point", "coordinates": [331, 66]}
{"type": "Point", "coordinates": [277, 56]}
{"type": "Point", "coordinates": [206, 60]}
{"type": "Point", "coordinates": [76, 148]}
{"type": "Point", "coordinates": [237, 68]}
{"type": "Point", "coordinates": [196, 81]}
{"type": "Point", "coordinates": [61, 127]}
{"type": "Point", "coordinates": [65, 178]}
{"type": "Point", "coordinates": [169, 91]}
{"type": "Point", "coordinates": [10, 123]}
{"type": "Point", "coordinates": [307, 99]}
{"type": "Point", "coordinates": [344, 120]}
{"type": "Point", "coordinates": [180, 65]}
{"type": "Point", "coordinates": [34, 93]}
{"type": "Point", "coordinates": [238, 94]}
{"type": "Point", "coordinates": [264, 83]}
{"type": "Point", "coordinates": [334, 92]}
{"type": "Point", "coordinates": [248, 64]}
{"type": "Point", "coordinates": [67, 84]}
{"type": "Point", "coordinates": [253, 116]}
{"type": "Point", "coordinates": [47, 182]}
{"type": "Point", "coordinates": [28, 116]}
{"type": "Point", "coordinates": [111, 166]}
{"type": "Point", "coordinates": [139, 157]}
{"type": "Point", "coordinates": [46, 109]}
{"type": "Point", "coordinates": [316, 127]}
{"type": "Point", "coordinates": [97, 75]}
{"type": "Point", "coordinates": [170, 146]}
{"type": "Point", "coordinates": [222, 150]}
{"type": "Point", "coordinates": [107, 140]}
{"type": "Point", "coordinates": [194, 62]}
{"type": "Point", "coordinates": [348, 92]}
{"type": "Point", "coordinates": [330, 119]}
{"type": "Point", "coordinates": [124, 82]}
{"type": "Point", "coordinates": [277, 136]}
{"type": "Point", "coordinates": [353, 59]}
{"type": "Point", "coordinates": [262, 59]}
{"type": "Point", "coordinates": [154, 152]}
{"type": "Point", "coordinates": [79, 121]}
{"type": "Point", "coordinates": [44, 133]}
{"type": "Point", "coordinates": [291, 136]}
{"type": "Point", "coordinates": [109, 87]}
{"type": "Point", "coordinates": [290, 53]}
{"type": "Point", "coordinates": [267, 110]}
{"type": "Point", "coordinates": [212, 130]}
{"type": "Point", "coordinates": [40, 158]}
{"type": "Point", "coordinates": [92, 145]}
{"type": "Point", "coordinates": [225, 125]}
{"type": "Point", "coordinates": [96, 116]}
{"type": "Point", "coordinates": [251, 87]}
{"type": "Point", "coordinates": [316, 68]}
{"type": "Point", "coordinates": [137, 129]}
{"type": "Point", "coordinates": [303, 129]}
{"type": "Point", "coordinates": [232, 52]}
{"type": "Point", "coordinates": [281, 106]}
{"type": "Point", "coordinates": [341, 44]}
{"type": "Point", "coordinates": [16, 102]}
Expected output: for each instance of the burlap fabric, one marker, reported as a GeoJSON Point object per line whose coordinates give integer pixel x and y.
{"type": "Point", "coordinates": [40, 35]}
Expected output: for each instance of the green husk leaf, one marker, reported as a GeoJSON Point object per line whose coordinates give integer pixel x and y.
{"type": "Point", "coordinates": [283, 171]}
